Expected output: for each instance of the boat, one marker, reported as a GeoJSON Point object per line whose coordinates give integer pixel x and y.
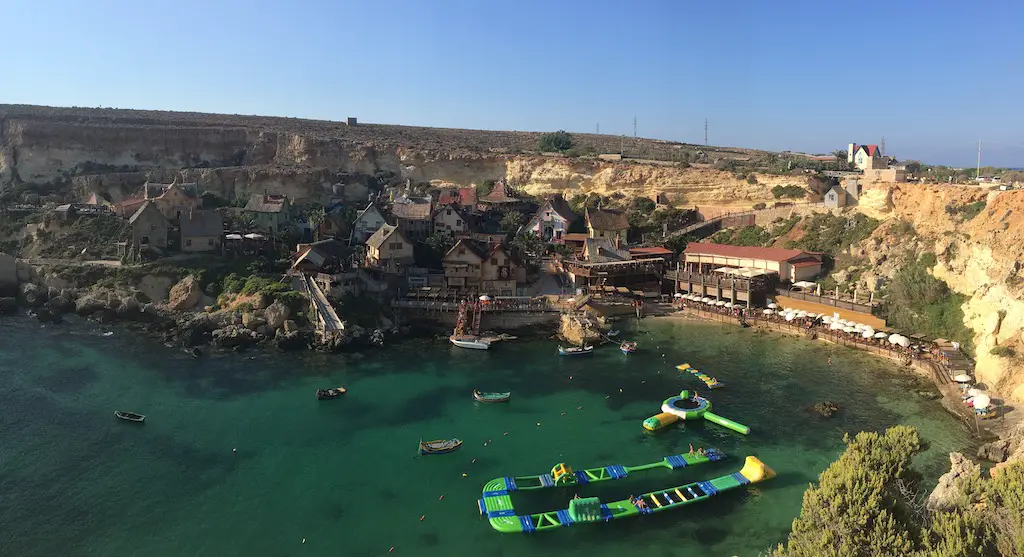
{"type": "Point", "coordinates": [439, 446]}
{"type": "Point", "coordinates": [475, 343]}
{"type": "Point", "coordinates": [330, 393]}
{"type": "Point", "coordinates": [129, 416]}
{"type": "Point", "coordinates": [491, 397]}
{"type": "Point", "coordinates": [497, 504]}
{"type": "Point", "coordinates": [628, 347]}
{"type": "Point", "coordinates": [613, 333]}
{"type": "Point", "coordinates": [574, 350]}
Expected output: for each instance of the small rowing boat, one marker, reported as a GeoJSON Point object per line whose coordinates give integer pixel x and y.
{"type": "Point", "coordinates": [613, 333]}
{"type": "Point", "coordinates": [628, 347]}
{"type": "Point", "coordinates": [439, 446]}
{"type": "Point", "coordinates": [475, 343]}
{"type": "Point", "coordinates": [574, 350]}
{"type": "Point", "coordinates": [130, 416]}
{"type": "Point", "coordinates": [330, 393]}
{"type": "Point", "coordinates": [491, 397]}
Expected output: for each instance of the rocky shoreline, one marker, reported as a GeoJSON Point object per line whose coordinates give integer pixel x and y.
{"type": "Point", "coordinates": [184, 320]}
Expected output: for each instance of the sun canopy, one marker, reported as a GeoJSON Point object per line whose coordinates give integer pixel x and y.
{"type": "Point", "coordinates": [982, 401]}
{"type": "Point", "coordinates": [804, 284]}
{"type": "Point", "coordinates": [962, 378]}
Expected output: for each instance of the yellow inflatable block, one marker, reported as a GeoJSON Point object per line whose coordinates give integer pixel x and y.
{"type": "Point", "coordinates": [756, 471]}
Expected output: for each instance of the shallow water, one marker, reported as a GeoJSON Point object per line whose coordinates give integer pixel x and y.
{"type": "Point", "coordinates": [237, 457]}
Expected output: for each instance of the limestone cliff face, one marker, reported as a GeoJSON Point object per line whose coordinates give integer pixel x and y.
{"type": "Point", "coordinates": [980, 258]}
{"type": "Point", "coordinates": [115, 156]}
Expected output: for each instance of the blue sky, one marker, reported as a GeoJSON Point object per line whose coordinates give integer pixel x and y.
{"type": "Point", "coordinates": [932, 77]}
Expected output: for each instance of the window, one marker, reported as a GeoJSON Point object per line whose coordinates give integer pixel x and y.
{"type": "Point", "coordinates": [494, 261]}
{"type": "Point", "coordinates": [209, 242]}
{"type": "Point", "coordinates": [448, 212]}
{"type": "Point", "coordinates": [548, 214]}
{"type": "Point", "coordinates": [188, 243]}
{"type": "Point", "coordinates": [458, 223]}
{"type": "Point", "coordinates": [601, 233]}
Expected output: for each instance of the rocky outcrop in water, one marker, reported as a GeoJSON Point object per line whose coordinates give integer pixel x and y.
{"type": "Point", "coordinates": [996, 451]}
{"type": "Point", "coordinates": [949, 491]}
{"type": "Point", "coordinates": [825, 409]}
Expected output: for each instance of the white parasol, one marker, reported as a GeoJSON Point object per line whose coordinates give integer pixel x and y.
{"type": "Point", "coordinates": [677, 295]}
{"type": "Point", "coordinates": [879, 335]}
{"type": "Point", "coordinates": [767, 312]}
{"type": "Point", "coordinates": [485, 298]}
{"type": "Point", "coordinates": [867, 333]}
{"type": "Point", "coordinates": [773, 306]}
{"type": "Point", "coordinates": [973, 391]}
{"type": "Point", "coordinates": [903, 341]}
{"type": "Point", "coordinates": [982, 402]}
{"type": "Point", "coordinates": [728, 304]}
{"type": "Point", "coordinates": [893, 338]}
{"type": "Point", "coordinates": [789, 317]}
{"type": "Point", "coordinates": [962, 378]}
{"type": "Point", "coordinates": [719, 303]}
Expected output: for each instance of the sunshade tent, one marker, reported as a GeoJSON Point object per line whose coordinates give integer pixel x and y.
{"type": "Point", "coordinates": [982, 401]}
{"type": "Point", "coordinates": [962, 378]}
{"type": "Point", "coordinates": [804, 284]}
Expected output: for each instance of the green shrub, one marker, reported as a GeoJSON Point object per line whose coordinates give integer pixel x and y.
{"type": "Point", "coordinates": [966, 211]}
{"type": "Point", "coordinates": [917, 301]}
{"type": "Point", "coordinates": [1003, 351]}
{"type": "Point", "coordinates": [244, 307]}
{"type": "Point", "coordinates": [854, 508]}
{"type": "Point", "coordinates": [752, 179]}
{"type": "Point", "coordinates": [759, 206]}
{"type": "Point", "coordinates": [555, 141]}
{"type": "Point", "coordinates": [789, 191]}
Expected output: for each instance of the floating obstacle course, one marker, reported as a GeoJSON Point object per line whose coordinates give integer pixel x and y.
{"type": "Point", "coordinates": [496, 502]}
{"type": "Point", "coordinates": [689, 406]}
{"type": "Point", "coordinates": [711, 382]}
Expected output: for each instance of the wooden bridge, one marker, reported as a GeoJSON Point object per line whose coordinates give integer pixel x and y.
{"type": "Point", "coordinates": [327, 321]}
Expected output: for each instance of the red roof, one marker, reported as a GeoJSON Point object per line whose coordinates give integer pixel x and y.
{"type": "Point", "coordinates": [575, 236]}
{"type": "Point", "coordinates": [647, 252]}
{"type": "Point", "coordinates": [870, 149]}
{"type": "Point", "coordinates": [447, 197]}
{"type": "Point", "coordinates": [467, 196]}
{"type": "Point", "coordinates": [745, 252]}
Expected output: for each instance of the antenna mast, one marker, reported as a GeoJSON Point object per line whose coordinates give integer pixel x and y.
{"type": "Point", "coordinates": [977, 175]}
{"type": "Point", "coordinates": [634, 127]}
{"type": "Point", "coordinates": [705, 132]}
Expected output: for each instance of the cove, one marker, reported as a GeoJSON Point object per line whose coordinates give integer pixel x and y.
{"type": "Point", "coordinates": [344, 474]}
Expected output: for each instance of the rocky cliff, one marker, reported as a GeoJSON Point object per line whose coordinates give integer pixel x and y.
{"type": "Point", "coordinates": [112, 152]}
{"type": "Point", "coordinates": [978, 238]}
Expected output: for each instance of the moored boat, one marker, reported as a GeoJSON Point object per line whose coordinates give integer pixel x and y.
{"type": "Point", "coordinates": [491, 397]}
{"type": "Point", "coordinates": [439, 446]}
{"type": "Point", "coordinates": [330, 393]}
{"type": "Point", "coordinates": [613, 333]}
{"type": "Point", "coordinates": [574, 350]}
{"type": "Point", "coordinates": [628, 347]}
{"type": "Point", "coordinates": [475, 343]}
{"type": "Point", "coordinates": [129, 416]}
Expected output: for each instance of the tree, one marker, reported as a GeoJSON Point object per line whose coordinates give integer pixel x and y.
{"type": "Point", "coordinates": [556, 141]}
{"type": "Point", "coordinates": [677, 244]}
{"type": "Point", "coordinates": [644, 204]}
{"type": "Point", "coordinates": [315, 216]}
{"type": "Point", "coordinates": [527, 243]}
{"type": "Point", "coordinates": [510, 222]}
{"type": "Point", "coordinates": [484, 188]}
{"type": "Point", "coordinates": [431, 252]}
{"type": "Point", "coordinates": [854, 510]}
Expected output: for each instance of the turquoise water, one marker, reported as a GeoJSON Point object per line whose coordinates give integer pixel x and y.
{"type": "Point", "coordinates": [237, 457]}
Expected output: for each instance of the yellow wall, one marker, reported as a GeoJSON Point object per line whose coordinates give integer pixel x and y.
{"type": "Point", "coordinates": [813, 307]}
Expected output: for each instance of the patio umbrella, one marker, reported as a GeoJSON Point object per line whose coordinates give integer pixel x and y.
{"type": "Point", "coordinates": [879, 335]}
{"type": "Point", "coordinates": [893, 338]}
{"type": "Point", "coordinates": [826, 318]}
{"type": "Point", "coordinates": [485, 298]}
{"type": "Point", "coordinates": [975, 392]}
{"type": "Point", "coordinates": [773, 306]}
{"type": "Point", "coordinates": [982, 402]}
{"type": "Point", "coordinates": [904, 342]}
{"type": "Point", "coordinates": [848, 329]}
{"type": "Point", "coordinates": [706, 300]}
{"type": "Point", "coordinates": [867, 333]}
{"type": "Point", "coordinates": [767, 312]}
{"type": "Point", "coordinates": [962, 378]}
{"type": "Point", "coordinates": [677, 295]}
{"type": "Point", "coordinates": [728, 304]}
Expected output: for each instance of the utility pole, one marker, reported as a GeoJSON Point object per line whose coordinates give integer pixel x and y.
{"type": "Point", "coordinates": [882, 146]}
{"type": "Point", "coordinates": [598, 128]}
{"type": "Point", "coordinates": [977, 175]}
{"type": "Point", "coordinates": [634, 127]}
{"type": "Point", "coordinates": [705, 132]}
{"type": "Point", "coordinates": [622, 140]}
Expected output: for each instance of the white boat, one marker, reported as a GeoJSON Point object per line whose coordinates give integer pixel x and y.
{"type": "Point", "coordinates": [475, 343]}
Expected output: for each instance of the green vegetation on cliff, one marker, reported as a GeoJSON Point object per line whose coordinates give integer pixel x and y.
{"type": "Point", "coordinates": [867, 503]}
{"type": "Point", "coordinates": [917, 301]}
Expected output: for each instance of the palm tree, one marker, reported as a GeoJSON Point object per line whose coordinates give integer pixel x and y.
{"type": "Point", "coordinates": [316, 216]}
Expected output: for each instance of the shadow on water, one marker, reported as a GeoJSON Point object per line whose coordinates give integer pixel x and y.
{"type": "Point", "coordinates": [69, 379]}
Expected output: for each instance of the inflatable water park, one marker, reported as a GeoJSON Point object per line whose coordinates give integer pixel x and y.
{"type": "Point", "coordinates": [711, 382]}
{"type": "Point", "coordinates": [689, 406]}
{"type": "Point", "coordinates": [496, 502]}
